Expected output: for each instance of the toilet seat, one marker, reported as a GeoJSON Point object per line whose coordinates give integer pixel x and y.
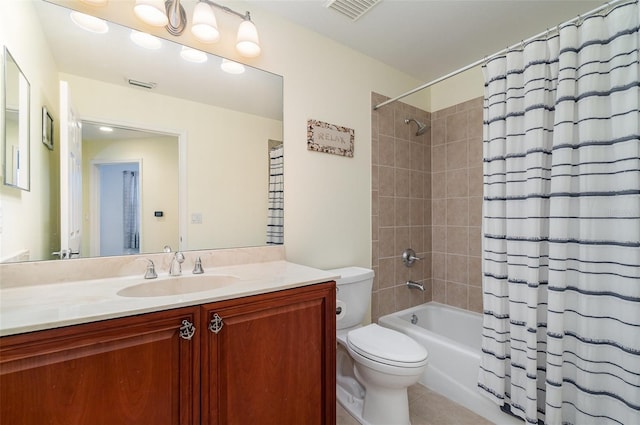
{"type": "Point", "coordinates": [387, 346]}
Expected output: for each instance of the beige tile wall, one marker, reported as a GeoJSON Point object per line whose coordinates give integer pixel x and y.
{"type": "Point", "coordinates": [427, 195]}
{"type": "Point", "coordinates": [456, 205]}
{"type": "Point", "coordinates": [401, 206]}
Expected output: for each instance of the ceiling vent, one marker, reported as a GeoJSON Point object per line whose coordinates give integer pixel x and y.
{"type": "Point", "coordinates": [352, 9]}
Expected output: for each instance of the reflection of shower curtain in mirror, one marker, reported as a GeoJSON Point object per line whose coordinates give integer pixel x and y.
{"type": "Point", "coordinates": [131, 231]}
{"type": "Point", "coordinates": [275, 217]}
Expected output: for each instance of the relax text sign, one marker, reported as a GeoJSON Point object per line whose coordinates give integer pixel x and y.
{"type": "Point", "coordinates": [329, 138]}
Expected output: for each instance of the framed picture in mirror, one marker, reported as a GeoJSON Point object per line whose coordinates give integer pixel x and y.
{"type": "Point", "coordinates": [47, 128]}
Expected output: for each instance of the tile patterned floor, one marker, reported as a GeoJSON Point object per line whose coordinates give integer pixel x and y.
{"type": "Point", "coordinates": [427, 408]}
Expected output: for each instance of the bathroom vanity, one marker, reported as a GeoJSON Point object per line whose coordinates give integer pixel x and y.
{"type": "Point", "coordinates": [264, 354]}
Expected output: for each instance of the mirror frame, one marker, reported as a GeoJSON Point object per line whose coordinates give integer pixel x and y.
{"type": "Point", "coordinates": [24, 123]}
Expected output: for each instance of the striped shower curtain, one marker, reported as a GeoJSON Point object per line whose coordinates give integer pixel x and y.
{"type": "Point", "coordinates": [275, 217]}
{"type": "Point", "coordinates": [561, 244]}
{"type": "Point", "coordinates": [130, 207]}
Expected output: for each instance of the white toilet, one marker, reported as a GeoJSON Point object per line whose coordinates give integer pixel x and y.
{"type": "Point", "coordinates": [374, 365]}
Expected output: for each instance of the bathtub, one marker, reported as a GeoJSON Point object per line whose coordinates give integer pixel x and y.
{"type": "Point", "coordinates": [452, 337]}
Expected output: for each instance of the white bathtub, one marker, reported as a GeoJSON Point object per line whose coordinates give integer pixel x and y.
{"type": "Point", "coordinates": [452, 337]}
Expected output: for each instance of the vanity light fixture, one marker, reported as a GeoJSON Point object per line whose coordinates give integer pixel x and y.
{"type": "Point", "coordinates": [231, 67]}
{"type": "Point", "coordinates": [89, 23]}
{"type": "Point", "coordinates": [105, 129]}
{"type": "Point", "coordinates": [204, 27]}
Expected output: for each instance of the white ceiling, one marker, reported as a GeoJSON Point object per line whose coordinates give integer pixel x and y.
{"type": "Point", "coordinates": [430, 38]}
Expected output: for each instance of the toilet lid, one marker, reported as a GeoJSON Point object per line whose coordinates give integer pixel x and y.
{"type": "Point", "coordinates": [386, 346]}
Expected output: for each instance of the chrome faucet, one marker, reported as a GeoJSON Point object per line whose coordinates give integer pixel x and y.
{"type": "Point", "coordinates": [175, 269]}
{"type": "Point", "coordinates": [197, 267]}
{"type": "Point", "coordinates": [150, 273]}
{"type": "Point", "coordinates": [409, 257]}
{"type": "Point", "coordinates": [415, 285]}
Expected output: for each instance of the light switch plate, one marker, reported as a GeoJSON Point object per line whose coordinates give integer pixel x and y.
{"type": "Point", "coordinates": [196, 218]}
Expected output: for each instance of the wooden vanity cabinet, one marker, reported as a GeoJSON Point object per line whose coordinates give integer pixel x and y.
{"type": "Point", "coordinates": [134, 370]}
{"type": "Point", "coordinates": [272, 361]}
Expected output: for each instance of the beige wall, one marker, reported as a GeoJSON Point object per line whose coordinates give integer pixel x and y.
{"type": "Point", "coordinates": [159, 163]}
{"type": "Point", "coordinates": [327, 197]}
{"type": "Point", "coordinates": [27, 218]}
{"type": "Point", "coordinates": [457, 89]}
{"type": "Point", "coordinates": [327, 200]}
{"type": "Point", "coordinates": [226, 157]}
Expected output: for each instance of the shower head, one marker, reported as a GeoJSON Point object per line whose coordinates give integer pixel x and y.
{"type": "Point", "coordinates": [421, 126]}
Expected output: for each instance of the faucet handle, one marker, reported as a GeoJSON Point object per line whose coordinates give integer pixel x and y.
{"type": "Point", "coordinates": [409, 257]}
{"type": "Point", "coordinates": [150, 273]}
{"type": "Point", "coordinates": [197, 268]}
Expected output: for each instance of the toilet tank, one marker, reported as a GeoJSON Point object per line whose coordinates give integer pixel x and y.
{"type": "Point", "coordinates": [353, 295]}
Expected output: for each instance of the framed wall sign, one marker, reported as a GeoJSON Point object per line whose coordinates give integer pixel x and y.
{"type": "Point", "coordinates": [330, 138]}
{"type": "Point", "coordinates": [47, 128]}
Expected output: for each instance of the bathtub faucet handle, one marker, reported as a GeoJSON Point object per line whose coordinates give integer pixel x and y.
{"type": "Point", "coordinates": [409, 257]}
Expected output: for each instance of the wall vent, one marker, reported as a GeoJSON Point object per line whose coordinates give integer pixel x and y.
{"type": "Point", "coordinates": [352, 9]}
{"type": "Point", "coordinates": [142, 84]}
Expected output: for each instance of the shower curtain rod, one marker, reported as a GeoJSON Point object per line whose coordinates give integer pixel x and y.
{"type": "Point", "coordinates": [508, 49]}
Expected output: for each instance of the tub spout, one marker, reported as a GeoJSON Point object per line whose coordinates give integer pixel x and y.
{"type": "Point", "coordinates": [415, 285]}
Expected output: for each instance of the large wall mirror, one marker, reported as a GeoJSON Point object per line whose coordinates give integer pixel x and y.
{"type": "Point", "coordinates": [174, 152]}
{"type": "Point", "coordinates": [15, 137]}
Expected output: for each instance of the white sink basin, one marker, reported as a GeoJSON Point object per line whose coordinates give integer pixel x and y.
{"type": "Point", "coordinates": [177, 285]}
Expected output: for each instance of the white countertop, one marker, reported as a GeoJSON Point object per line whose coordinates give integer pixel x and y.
{"type": "Point", "coordinates": [38, 307]}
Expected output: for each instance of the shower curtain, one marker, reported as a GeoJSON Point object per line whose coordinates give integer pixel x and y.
{"type": "Point", "coordinates": [131, 226]}
{"type": "Point", "coordinates": [561, 224]}
{"type": "Point", "coordinates": [275, 217]}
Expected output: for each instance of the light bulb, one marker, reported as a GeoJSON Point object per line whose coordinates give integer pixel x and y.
{"type": "Point", "coordinates": [151, 12]}
{"type": "Point", "coordinates": [248, 44]}
{"type": "Point", "coordinates": [203, 24]}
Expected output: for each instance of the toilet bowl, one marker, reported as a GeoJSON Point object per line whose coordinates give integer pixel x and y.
{"type": "Point", "coordinates": [374, 365]}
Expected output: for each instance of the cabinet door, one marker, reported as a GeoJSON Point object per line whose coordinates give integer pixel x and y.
{"type": "Point", "coordinates": [135, 370]}
{"type": "Point", "coordinates": [273, 360]}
